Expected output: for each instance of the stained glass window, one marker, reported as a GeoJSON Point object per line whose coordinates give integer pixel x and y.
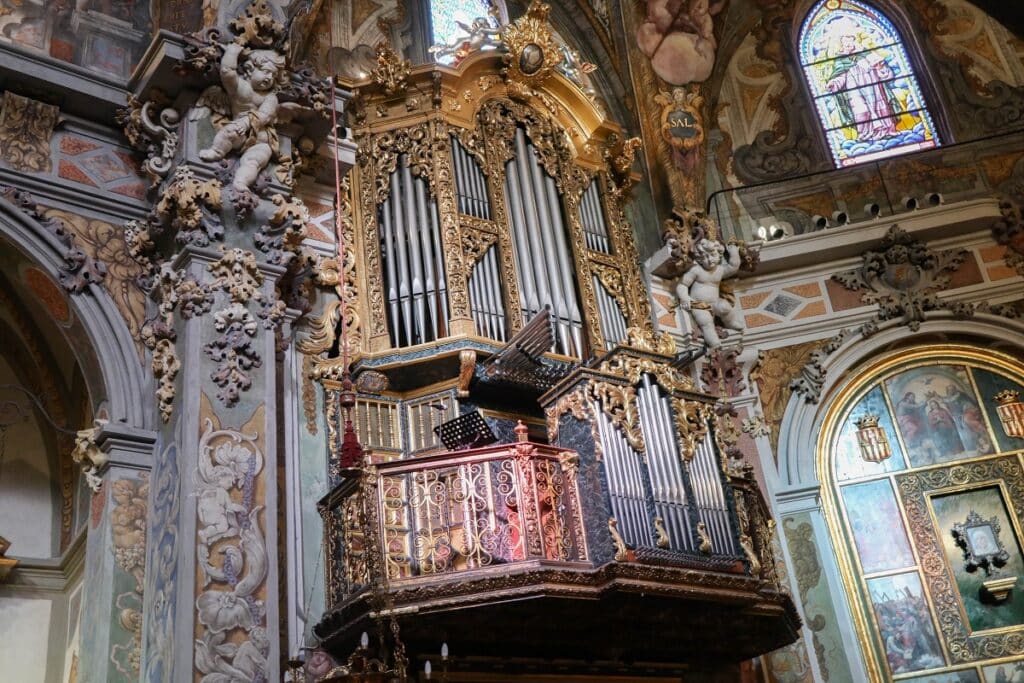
{"type": "Point", "coordinates": [452, 20]}
{"type": "Point", "coordinates": [864, 89]}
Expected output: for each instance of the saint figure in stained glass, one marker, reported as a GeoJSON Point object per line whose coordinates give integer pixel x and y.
{"type": "Point", "coordinates": [864, 88]}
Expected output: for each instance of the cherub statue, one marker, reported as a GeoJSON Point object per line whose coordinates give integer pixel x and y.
{"type": "Point", "coordinates": [699, 289]}
{"type": "Point", "coordinates": [248, 101]}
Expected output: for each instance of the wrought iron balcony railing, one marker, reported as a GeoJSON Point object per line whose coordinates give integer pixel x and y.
{"type": "Point", "coordinates": [458, 512]}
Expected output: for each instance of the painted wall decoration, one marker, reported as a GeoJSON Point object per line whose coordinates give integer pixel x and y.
{"type": "Point", "coordinates": [877, 527]}
{"type": "Point", "coordinates": [679, 39]}
{"type": "Point", "coordinates": [101, 35]}
{"type": "Point", "coordinates": [863, 84]}
{"type": "Point", "coordinates": [162, 579]}
{"type": "Point", "coordinates": [231, 549]}
{"type": "Point", "coordinates": [905, 623]}
{"type": "Point", "coordinates": [988, 502]}
{"type": "Point", "coordinates": [128, 497]}
{"type": "Point", "coordinates": [938, 414]}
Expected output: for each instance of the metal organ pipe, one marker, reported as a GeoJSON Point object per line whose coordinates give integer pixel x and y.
{"type": "Point", "coordinates": [471, 183]}
{"type": "Point", "coordinates": [442, 282]}
{"type": "Point", "coordinates": [613, 322]}
{"type": "Point", "coordinates": [413, 257]}
{"type": "Point", "coordinates": [494, 291]}
{"type": "Point", "coordinates": [625, 483]}
{"type": "Point", "coordinates": [663, 455]}
{"type": "Point", "coordinates": [398, 216]}
{"type": "Point", "coordinates": [479, 184]}
{"type": "Point", "coordinates": [592, 216]}
{"type": "Point", "coordinates": [389, 259]}
{"type": "Point", "coordinates": [712, 508]}
{"type": "Point", "coordinates": [412, 229]}
{"type": "Point", "coordinates": [549, 265]}
{"type": "Point", "coordinates": [564, 261]}
{"type": "Point", "coordinates": [460, 177]}
{"type": "Point", "coordinates": [423, 230]}
{"type": "Point", "coordinates": [543, 259]}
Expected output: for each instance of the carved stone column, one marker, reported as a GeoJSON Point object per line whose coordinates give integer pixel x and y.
{"type": "Point", "coordinates": [223, 252]}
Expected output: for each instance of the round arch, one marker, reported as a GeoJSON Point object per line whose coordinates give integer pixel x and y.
{"type": "Point", "coordinates": [798, 489]}
{"type": "Point", "coordinates": [114, 375]}
{"type": "Point", "coordinates": [802, 421]}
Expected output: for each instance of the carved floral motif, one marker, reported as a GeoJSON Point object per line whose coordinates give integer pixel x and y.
{"type": "Point", "coordinates": [903, 277]}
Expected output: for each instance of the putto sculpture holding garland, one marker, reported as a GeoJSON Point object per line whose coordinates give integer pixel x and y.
{"type": "Point", "coordinates": [703, 263]}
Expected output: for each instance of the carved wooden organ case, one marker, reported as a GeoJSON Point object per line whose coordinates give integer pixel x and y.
{"type": "Point", "coordinates": [481, 201]}
{"type": "Point", "coordinates": [482, 196]}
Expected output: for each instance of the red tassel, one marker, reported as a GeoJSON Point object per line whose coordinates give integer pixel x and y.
{"type": "Point", "coordinates": [351, 449]}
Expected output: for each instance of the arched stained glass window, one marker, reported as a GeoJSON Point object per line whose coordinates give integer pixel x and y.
{"type": "Point", "coordinates": [924, 488]}
{"type": "Point", "coordinates": [863, 84]}
{"type": "Point", "coordinates": [452, 20]}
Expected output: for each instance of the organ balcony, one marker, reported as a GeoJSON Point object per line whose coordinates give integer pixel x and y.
{"type": "Point", "coordinates": [626, 530]}
{"type": "Point", "coordinates": [596, 515]}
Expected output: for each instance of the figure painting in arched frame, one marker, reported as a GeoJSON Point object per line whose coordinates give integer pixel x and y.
{"type": "Point", "coordinates": [865, 92]}
{"type": "Point", "coordinates": [921, 451]}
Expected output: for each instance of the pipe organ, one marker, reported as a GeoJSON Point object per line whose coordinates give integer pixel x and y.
{"type": "Point", "coordinates": [475, 210]}
{"type": "Point", "coordinates": [484, 195]}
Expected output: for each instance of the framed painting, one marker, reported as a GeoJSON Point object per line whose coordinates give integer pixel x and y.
{"type": "Point", "coordinates": [980, 541]}
{"type": "Point", "coordinates": [1008, 672]}
{"type": "Point", "coordinates": [877, 527]}
{"type": "Point", "coordinates": [938, 415]}
{"type": "Point", "coordinates": [905, 623]}
{"type": "Point", "coordinates": [936, 500]}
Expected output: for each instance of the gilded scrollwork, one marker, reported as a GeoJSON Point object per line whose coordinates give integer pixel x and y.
{"type": "Point", "coordinates": [574, 403]}
{"type": "Point", "coordinates": [691, 422]}
{"type": "Point", "coordinates": [475, 243]}
{"type": "Point", "coordinates": [392, 72]}
{"type": "Point", "coordinates": [619, 404]}
{"type": "Point", "coordinates": [914, 489]}
{"type": "Point", "coordinates": [630, 368]}
{"type": "Point", "coordinates": [647, 339]}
